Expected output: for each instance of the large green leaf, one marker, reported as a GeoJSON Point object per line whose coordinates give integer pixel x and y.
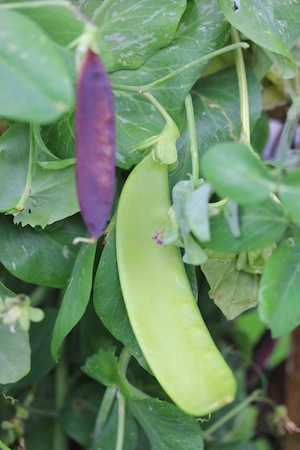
{"type": "Point", "coordinates": [45, 257]}
{"type": "Point", "coordinates": [52, 197]}
{"type": "Point", "coordinates": [260, 226]}
{"type": "Point", "coordinates": [76, 297]}
{"type": "Point", "coordinates": [236, 172]}
{"type": "Point", "coordinates": [108, 299]}
{"type": "Point", "coordinates": [34, 82]}
{"type": "Point", "coordinates": [194, 39]}
{"type": "Point", "coordinates": [136, 29]}
{"type": "Point", "coordinates": [233, 291]}
{"type": "Point", "coordinates": [166, 426]}
{"type": "Point", "coordinates": [14, 354]}
{"type": "Point", "coordinates": [279, 289]}
{"type": "Point", "coordinates": [272, 24]}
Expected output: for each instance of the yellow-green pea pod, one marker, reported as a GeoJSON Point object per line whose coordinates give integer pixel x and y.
{"type": "Point", "coordinates": [161, 307]}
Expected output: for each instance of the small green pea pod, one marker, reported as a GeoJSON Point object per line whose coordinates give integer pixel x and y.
{"type": "Point", "coordinates": [159, 300]}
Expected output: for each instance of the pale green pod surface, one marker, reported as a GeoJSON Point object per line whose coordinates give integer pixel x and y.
{"type": "Point", "coordinates": [159, 301]}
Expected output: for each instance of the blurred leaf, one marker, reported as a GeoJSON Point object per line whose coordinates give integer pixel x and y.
{"type": "Point", "coordinates": [76, 297]}
{"type": "Point", "coordinates": [136, 29]}
{"type": "Point", "coordinates": [279, 287]}
{"type": "Point", "coordinates": [14, 150]}
{"type": "Point", "coordinates": [196, 207]}
{"type": "Point", "coordinates": [260, 226]}
{"type": "Point", "coordinates": [272, 24]}
{"type": "Point", "coordinates": [14, 354]}
{"type": "Point", "coordinates": [80, 411]}
{"type": "Point", "coordinates": [289, 193]}
{"type": "Point", "coordinates": [236, 172]}
{"type": "Point", "coordinates": [166, 425]}
{"type": "Point", "coordinates": [108, 299]}
{"type": "Point", "coordinates": [233, 291]}
{"type": "Point", "coordinates": [45, 257]}
{"type": "Point", "coordinates": [34, 83]}
{"type": "Point", "coordinates": [60, 21]}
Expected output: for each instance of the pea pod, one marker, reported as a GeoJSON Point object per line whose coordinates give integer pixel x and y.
{"type": "Point", "coordinates": [159, 300]}
{"type": "Point", "coordinates": [95, 144]}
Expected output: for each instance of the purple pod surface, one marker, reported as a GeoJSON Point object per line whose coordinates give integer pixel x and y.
{"type": "Point", "coordinates": [95, 144]}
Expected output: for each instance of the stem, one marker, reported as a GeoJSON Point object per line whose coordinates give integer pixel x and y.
{"type": "Point", "coordinates": [3, 446]}
{"type": "Point", "coordinates": [121, 421]}
{"type": "Point", "coordinates": [255, 396]}
{"type": "Point", "coordinates": [193, 139]}
{"type": "Point", "coordinates": [196, 62]}
{"type": "Point", "coordinates": [60, 440]}
{"type": "Point", "coordinates": [21, 203]}
{"type": "Point", "coordinates": [159, 107]}
{"type": "Point", "coordinates": [106, 404]}
{"type": "Point", "coordinates": [243, 88]}
{"type": "Point", "coordinates": [34, 4]}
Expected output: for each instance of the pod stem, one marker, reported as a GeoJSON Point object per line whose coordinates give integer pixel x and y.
{"type": "Point", "coordinates": [243, 88]}
{"type": "Point", "coordinates": [169, 76]}
{"type": "Point", "coordinates": [105, 408]}
{"type": "Point", "coordinates": [193, 138]}
{"type": "Point", "coordinates": [159, 107]}
{"type": "Point", "coordinates": [26, 193]}
{"type": "Point", "coordinates": [256, 396]}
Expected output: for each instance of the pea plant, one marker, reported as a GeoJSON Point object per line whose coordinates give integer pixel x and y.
{"type": "Point", "coordinates": [149, 226]}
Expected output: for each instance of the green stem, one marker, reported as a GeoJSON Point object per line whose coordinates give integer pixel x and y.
{"type": "Point", "coordinates": [193, 139]}
{"type": "Point", "coordinates": [60, 440]}
{"type": "Point", "coordinates": [3, 446]}
{"type": "Point", "coordinates": [243, 88]}
{"type": "Point", "coordinates": [255, 396]}
{"type": "Point", "coordinates": [21, 203]}
{"type": "Point", "coordinates": [121, 421]}
{"type": "Point", "coordinates": [105, 408]}
{"type": "Point", "coordinates": [34, 4]}
{"type": "Point", "coordinates": [159, 107]}
{"type": "Point", "coordinates": [196, 62]}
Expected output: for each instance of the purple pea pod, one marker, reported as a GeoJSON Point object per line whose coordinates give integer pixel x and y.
{"type": "Point", "coordinates": [95, 144]}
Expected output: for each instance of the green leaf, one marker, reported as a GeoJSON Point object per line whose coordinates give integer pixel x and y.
{"type": "Point", "coordinates": [44, 257]}
{"type": "Point", "coordinates": [202, 29]}
{"type": "Point", "coordinates": [166, 426]}
{"type": "Point", "coordinates": [235, 171]}
{"type": "Point", "coordinates": [289, 193]}
{"type": "Point", "coordinates": [260, 226]}
{"type": "Point", "coordinates": [34, 83]}
{"type": "Point", "coordinates": [103, 367]}
{"type": "Point", "coordinates": [52, 197]}
{"type": "Point", "coordinates": [108, 299]}
{"type": "Point", "coordinates": [76, 297]}
{"type": "Point", "coordinates": [196, 207]}
{"type": "Point", "coordinates": [193, 254]}
{"type": "Point", "coordinates": [14, 354]}
{"type": "Point", "coordinates": [279, 288]}
{"type": "Point", "coordinates": [272, 24]}
{"type": "Point", "coordinates": [14, 149]}
{"type": "Point", "coordinates": [134, 30]}
{"type": "Point", "coordinates": [232, 290]}
{"type": "Point", "coordinates": [59, 137]}
{"type": "Point", "coordinates": [60, 21]}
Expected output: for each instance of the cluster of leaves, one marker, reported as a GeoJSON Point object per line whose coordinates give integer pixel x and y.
{"type": "Point", "coordinates": [240, 223]}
